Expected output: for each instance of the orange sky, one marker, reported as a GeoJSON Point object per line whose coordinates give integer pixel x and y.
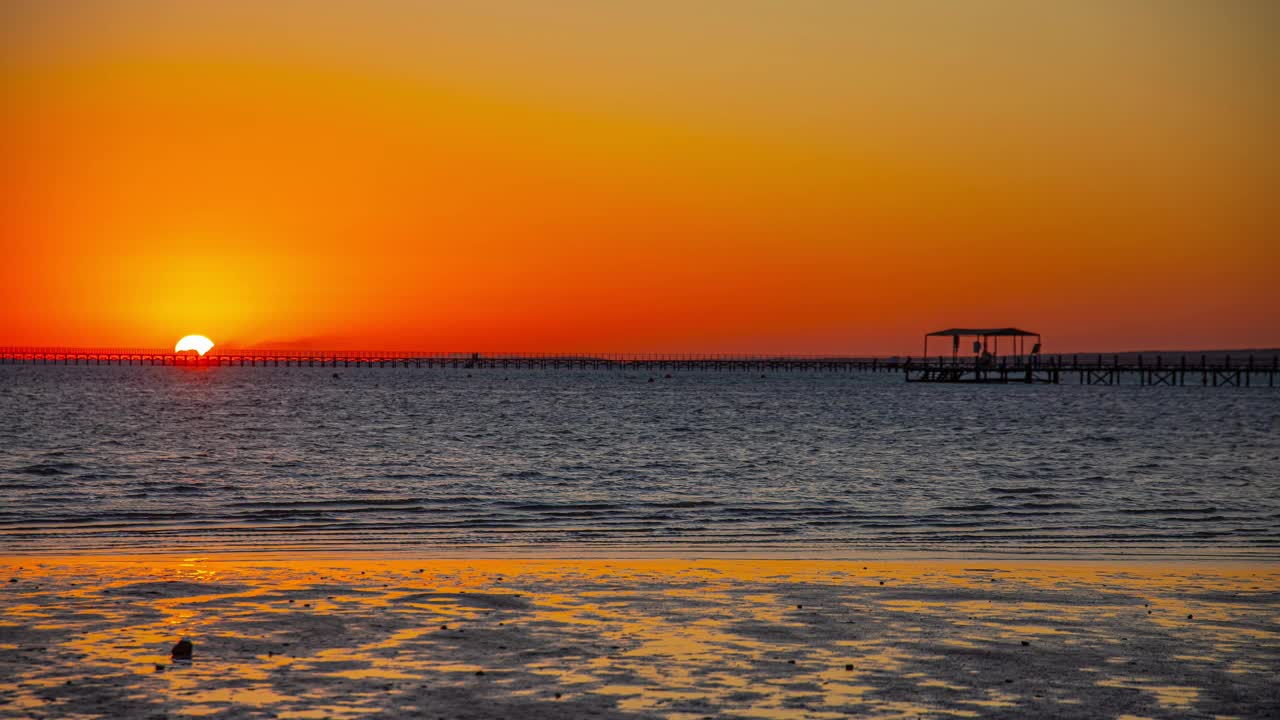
{"type": "Point", "coordinates": [720, 176]}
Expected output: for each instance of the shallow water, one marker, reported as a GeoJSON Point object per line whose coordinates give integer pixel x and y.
{"type": "Point", "coordinates": [487, 639]}
{"type": "Point", "coordinates": [136, 459]}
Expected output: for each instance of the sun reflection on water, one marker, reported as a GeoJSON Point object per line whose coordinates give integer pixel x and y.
{"type": "Point", "coordinates": [672, 639]}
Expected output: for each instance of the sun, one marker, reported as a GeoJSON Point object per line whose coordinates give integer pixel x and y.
{"type": "Point", "coordinates": [199, 343]}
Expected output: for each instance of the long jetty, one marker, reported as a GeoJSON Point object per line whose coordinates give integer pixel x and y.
{"type": "Point", "coordinates": [1168, 369]}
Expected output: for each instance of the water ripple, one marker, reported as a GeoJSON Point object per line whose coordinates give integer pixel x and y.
{"type": "Point", "coordinates": [104, 458]}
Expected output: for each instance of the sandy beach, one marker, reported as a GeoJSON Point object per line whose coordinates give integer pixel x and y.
{"type": "Point", "coordinates": [676, 639]}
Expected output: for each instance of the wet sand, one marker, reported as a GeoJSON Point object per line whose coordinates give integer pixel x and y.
{"type": "Point", "coordinates": [678, 639]}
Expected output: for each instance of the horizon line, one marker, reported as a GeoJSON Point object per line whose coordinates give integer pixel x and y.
{"type": "Point", "coordinates": [220, 351]}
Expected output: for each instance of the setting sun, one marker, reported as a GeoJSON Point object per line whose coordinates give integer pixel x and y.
{"type": "Point", "coordinates": [199, 343]}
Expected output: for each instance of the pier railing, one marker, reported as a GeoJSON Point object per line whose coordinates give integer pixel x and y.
{"type": "Point", "coordinates": [1094, 369]}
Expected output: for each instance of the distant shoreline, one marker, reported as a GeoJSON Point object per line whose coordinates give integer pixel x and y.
{"type": "Point", "coordinates": [1266, 353]}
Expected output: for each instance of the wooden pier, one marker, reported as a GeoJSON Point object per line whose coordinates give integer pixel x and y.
{"type": "Point", "coordinates": [1105, 370]}
{"type": "Point", "coordinates": [469, 361]}
{"type": "Point", "coordinates": [983, 363]}
{"type": "Point", "coordinates": [1157, 370]}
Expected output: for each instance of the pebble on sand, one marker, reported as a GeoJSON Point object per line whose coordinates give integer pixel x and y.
{"type": "Point", "coordinates": [1025, 643]}
{"type": "Point", "coordinates": [182, 650]}
{"type": "Point", "coordinates": [848, 666]}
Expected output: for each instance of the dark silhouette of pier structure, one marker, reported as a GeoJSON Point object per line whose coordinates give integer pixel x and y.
{"type": "Point", "coordinates": [471, 360]}
{"type": "Point", "coordinates": [984, 363]}
{"type": "Point", "coordinates": [1018, 367]}
{"type": "Point", "coordinates": [1001, 355]}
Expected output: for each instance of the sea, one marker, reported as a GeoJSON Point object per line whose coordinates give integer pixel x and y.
{"type": "Point", "coordinates": [137, 460]}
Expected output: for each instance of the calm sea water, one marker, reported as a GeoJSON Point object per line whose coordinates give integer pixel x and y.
{"type": "Point", "coordinates": [160, 459]}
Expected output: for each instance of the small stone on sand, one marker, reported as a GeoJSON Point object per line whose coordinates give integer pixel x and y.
{"type": "Point", "coordinates": [182, 650]}
{"type": "Point", "coordinates": [1025, 643]}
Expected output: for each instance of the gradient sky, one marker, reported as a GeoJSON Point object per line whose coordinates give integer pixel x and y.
{"type": "Point", "coordinates": [720, 176]}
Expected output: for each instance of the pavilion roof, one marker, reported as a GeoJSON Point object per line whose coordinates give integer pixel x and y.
{"type": "Point", "coordinates": [986, 332]}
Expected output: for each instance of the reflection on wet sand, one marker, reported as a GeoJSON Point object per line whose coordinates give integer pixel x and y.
{"type": "Point", "coordinates": [664, 638]}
